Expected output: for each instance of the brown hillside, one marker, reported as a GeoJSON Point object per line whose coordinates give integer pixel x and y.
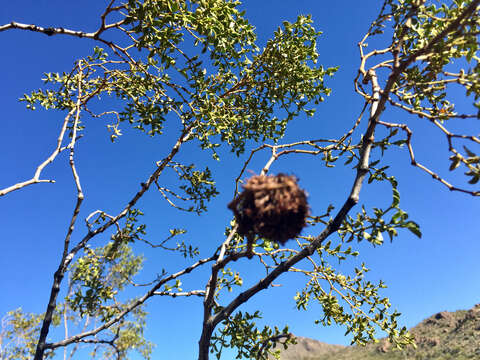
{"type": "Point", "coordinates": [443, 336]}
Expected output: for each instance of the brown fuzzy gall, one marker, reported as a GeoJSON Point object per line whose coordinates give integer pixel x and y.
{"type": "Point", "coordinates": [273, 207]}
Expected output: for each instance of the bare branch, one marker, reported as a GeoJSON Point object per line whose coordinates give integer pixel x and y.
{"type": "Point", "coordinates": [199, 293]}
{"type": "Point", "coordinates": [414, 162]}
{"type": "Point", "coordinates": [58, 277]}
{"type": "Point", "coordinates": [129, 308]}
{"type": "Point", "coordinates": [36, 177]}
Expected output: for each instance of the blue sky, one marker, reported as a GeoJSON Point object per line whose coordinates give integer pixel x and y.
{"type": "Point", "coordinates": [424, 276]}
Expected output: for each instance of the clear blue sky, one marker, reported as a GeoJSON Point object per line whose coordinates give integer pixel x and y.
{"type": "Point", "coordinates": [435, 273]}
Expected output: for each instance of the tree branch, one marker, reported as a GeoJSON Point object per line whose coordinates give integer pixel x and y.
{"type": "Point", "coordinates": [212, 321]}
{"type": "Point", "coordinates": [58, 277]}
{"type": "Point", "coordinates": [199, 293]}
{"type": "Point", "coordinates": [36, 177]}
{"type": "Point", "coordinates": [128, 309]}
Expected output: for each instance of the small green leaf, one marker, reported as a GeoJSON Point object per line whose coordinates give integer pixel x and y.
{"type": "Point", "coordinates": [396, 198]}
{"type": "Point", "coordinates": [414, 228]}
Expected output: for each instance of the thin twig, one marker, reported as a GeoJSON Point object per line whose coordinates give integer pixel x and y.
{"type": "Point", "coordinates": [129, 308]}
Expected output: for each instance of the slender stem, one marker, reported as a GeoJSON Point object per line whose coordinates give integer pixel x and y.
{"type": "Point", "coordinates": [152, 292]}
{"type": "Point", "coordinates": [62, 268]}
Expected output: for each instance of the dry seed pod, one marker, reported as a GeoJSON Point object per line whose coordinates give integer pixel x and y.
{"type": "Point", "coordinates": [273, 207]}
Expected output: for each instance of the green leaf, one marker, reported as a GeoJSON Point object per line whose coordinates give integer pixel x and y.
{"type": "Point", "coordinates": [455, 162]}
{"type": "Point", "coordinates": [396, 198]}
{"type": "Point", "coordinates": [414, 228]}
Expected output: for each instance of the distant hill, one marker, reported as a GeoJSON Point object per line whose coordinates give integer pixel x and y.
{"type": "Point", "coordinates": [309, 349]}
{"type": "Point", "coordinates": [443, 336]}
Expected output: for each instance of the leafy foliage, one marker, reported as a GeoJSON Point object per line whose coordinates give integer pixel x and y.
{"type": "Point", "coordinates": [19, 333]}
{"type": "Point", "coordinates": [260, 344]}
{"type": "Point", "coordinates": [434, 47]}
